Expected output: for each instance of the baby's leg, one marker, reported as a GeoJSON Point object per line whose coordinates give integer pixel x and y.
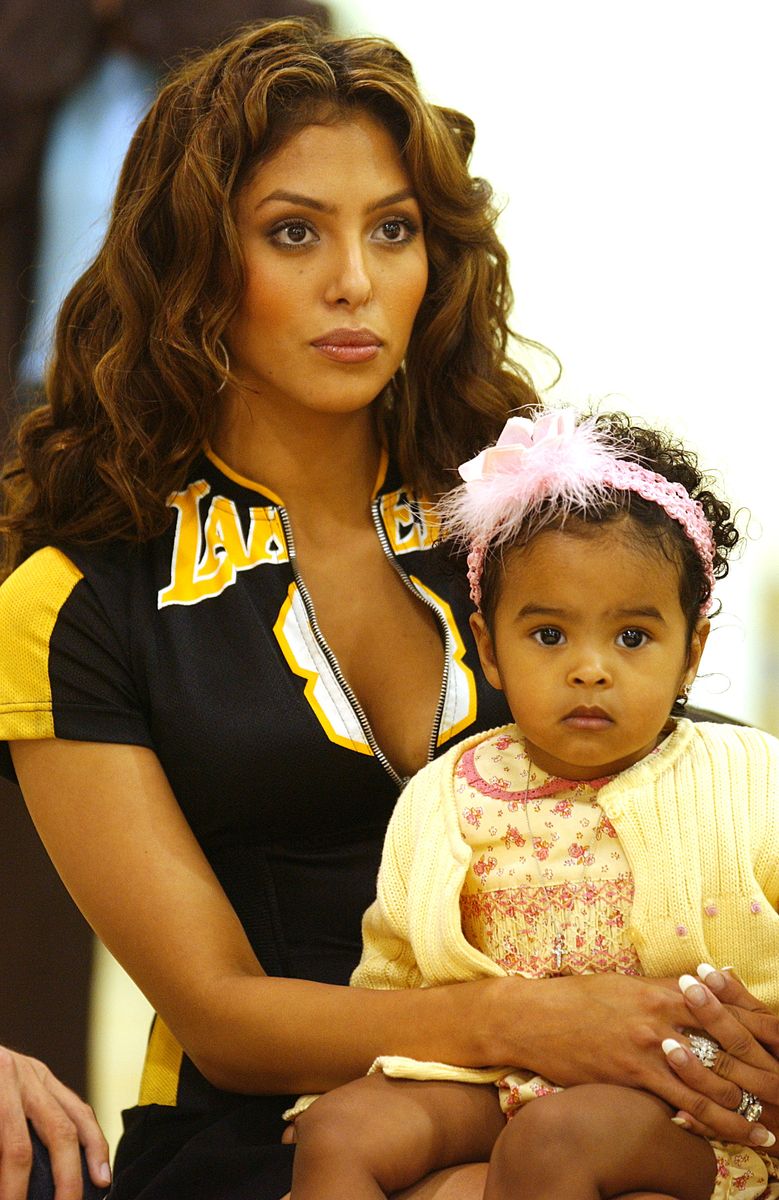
{"type": "Point", "coordinates": [598, 1141]}
{"type": "Point", "coordinates": [376, 1135]}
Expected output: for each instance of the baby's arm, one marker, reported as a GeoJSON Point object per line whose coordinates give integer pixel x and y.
{"type": "Point", "coordinates": [375, 1136]}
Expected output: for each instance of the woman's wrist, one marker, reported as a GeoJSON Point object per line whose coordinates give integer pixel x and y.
{"type": "Point", "coordinates": [500, 1036]}
{"type": "Point", "coordinates": [469, 1024]}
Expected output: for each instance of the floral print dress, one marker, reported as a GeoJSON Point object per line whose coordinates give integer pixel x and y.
{"type": "Point", "coordinates": [549, 892]}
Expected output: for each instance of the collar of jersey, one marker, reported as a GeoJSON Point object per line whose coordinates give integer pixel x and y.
{"type": "Point", "coordinates": [380, 485]}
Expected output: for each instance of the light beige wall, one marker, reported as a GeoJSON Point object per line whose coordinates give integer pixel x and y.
{"type": "Point", "coordinates": [119, 1026]}
{"type": "Point", "coordinates": [634, 146]}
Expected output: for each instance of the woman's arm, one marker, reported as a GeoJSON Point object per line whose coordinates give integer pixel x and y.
{"type": "Point", "coordinates": [113, 828]}
{"type": "Point", "coordinates": [119, 840]}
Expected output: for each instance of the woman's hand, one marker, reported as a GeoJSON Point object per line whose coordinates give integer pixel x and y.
{"type": "Point", "coordinates": [592, 1029]}
{"type": "Point", "coordinates": [610, 1029]}
{"type": "Point", "coordinates": [63, 1122]}
{"type": "Point", "coordinates": [748, 1059]}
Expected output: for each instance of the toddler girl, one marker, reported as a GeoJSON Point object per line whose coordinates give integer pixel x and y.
{"type": "Point", "coordinates": [601, 832]}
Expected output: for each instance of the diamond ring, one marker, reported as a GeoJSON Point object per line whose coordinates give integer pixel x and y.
{"type": "Point", "coordinates": [704, 1048]}
{"type": "Point", "coordinates": [750, 1107]}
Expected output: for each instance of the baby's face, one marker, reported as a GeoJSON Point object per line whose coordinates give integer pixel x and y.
{"type": "Point", "coordinates": [590, 644]}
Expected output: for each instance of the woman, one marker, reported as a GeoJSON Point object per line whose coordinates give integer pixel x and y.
{"type": "Point", "coordinates": [238, 641]}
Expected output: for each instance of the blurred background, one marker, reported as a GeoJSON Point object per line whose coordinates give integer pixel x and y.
{"type": "Point", "coordinates": [632, 146]}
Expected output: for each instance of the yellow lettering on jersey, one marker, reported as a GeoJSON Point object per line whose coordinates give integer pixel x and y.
{"type": "Point", "coordinates": [206, 561]}
{"type": "Point", "coordinates": [411, 524]}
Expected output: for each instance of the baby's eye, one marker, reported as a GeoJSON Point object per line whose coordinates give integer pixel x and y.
{"type": "Point", "coordinates": [395, 231]}
{"type": "Point", "coordinates": [549, 636]}
{"type": "Point", "coordinates": [294, 233]}
{"type": "Point", "coordinates": [631, 639]}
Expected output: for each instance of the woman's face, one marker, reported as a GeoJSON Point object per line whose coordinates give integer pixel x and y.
{"type": "Point", "coordinates": [336, 269]}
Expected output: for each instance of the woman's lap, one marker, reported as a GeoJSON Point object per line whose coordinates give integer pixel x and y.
{"type": "Point", "coordinates": [209, 1156]}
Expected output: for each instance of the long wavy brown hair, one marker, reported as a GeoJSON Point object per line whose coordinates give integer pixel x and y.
{"type": "Point", "coordinates": [132, 385]}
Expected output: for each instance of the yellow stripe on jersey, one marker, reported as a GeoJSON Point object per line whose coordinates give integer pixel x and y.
{"type": "Point", "coordinates": [322, 690]}
{"type": "Point", "coordinates": [460, 702]}
{"type": "Point", "coordinates": [161, 1070]}
{"type": "Point", "coordinates": [30, 602]}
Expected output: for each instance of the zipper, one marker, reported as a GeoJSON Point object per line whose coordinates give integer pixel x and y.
{"type": "Point", "coordinates": [448, 647]}
{"type": "Point", "coordinates": [399, 780]}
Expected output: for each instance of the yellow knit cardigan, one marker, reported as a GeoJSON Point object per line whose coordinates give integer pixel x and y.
{"type": "Point", "coordinates": [699, 824]}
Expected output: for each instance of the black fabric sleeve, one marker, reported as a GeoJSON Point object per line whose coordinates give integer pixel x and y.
{"type": "Point", "coordinates": [65, 662]}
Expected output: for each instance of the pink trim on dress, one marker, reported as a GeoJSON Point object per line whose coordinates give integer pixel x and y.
{"type": "Point", "coordinates": [467, 770]}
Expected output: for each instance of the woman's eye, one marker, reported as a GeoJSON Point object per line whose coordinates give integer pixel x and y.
{"type": "Point", "coordinates": [395, 231]}
{"type": "Point", "coordinates": [294, 233]}
{"type": "Point", "coordinates": [631, 639]}
{"type": "Point", "coordinates": [549, 636]}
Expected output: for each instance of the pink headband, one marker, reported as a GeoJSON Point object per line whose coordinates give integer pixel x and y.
{"type": "Point", "coordinates": [572, 465]}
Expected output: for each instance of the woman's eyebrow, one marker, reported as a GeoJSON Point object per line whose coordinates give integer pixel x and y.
{"type": "Point", "coordinates": [309, 202]}
{"type": "Point", "coordinates": [393, 198]}
{"type": "Point", "coordinates": [295, 198]}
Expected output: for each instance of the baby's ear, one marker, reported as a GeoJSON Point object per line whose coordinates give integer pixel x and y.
{"type": "Point", "coordinates": [486, 648]}
{"type": "Point", "coordinates": [697, 642]}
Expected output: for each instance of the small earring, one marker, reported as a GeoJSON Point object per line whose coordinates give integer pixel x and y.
{"type": "Point", "coordinates": [220, 346]}
{"type": "Point", "coordinates": [684, 696]}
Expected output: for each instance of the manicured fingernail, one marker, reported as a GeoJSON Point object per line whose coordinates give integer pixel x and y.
{"type": "Point", "coordinates": [692, 990]}
{"type": "Point", "coordinates": [713, 978]}
{"type": "Point", "coordinates": [681, 1121]}
{"type": "Point", "coordinates": [104, 1171]}
{"type": "Point", "coordinates": [760, 1136]}
{"type": "Point", "coordinates": [674, 1051]}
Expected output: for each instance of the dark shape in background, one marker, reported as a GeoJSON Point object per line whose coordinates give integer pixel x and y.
{"type": "Point", "coordinates": [47, 47]}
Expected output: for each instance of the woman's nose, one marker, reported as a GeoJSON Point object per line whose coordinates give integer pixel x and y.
{"type": "Point", "coordinates": [350, 282]}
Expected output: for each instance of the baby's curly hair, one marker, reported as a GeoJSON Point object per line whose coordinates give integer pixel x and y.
{"type": "Point", "coordinates": [659, 451]}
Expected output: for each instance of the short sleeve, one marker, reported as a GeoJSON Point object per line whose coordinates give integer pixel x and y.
{"type": "Point", "coordinates": [64, 662]}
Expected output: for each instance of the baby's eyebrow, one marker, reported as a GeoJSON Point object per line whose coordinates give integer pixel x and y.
{"type": "Point", "coordinates": [647, 610]}
{"type": "Point", "coordinates": [541, 610]}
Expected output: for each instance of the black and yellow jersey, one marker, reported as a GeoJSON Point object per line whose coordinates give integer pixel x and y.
{"type": "Point", "coordinates": [202, 645]}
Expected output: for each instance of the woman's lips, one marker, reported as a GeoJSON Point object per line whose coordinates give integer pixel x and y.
{"type": "Point", "coordinates": [348, 345]}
